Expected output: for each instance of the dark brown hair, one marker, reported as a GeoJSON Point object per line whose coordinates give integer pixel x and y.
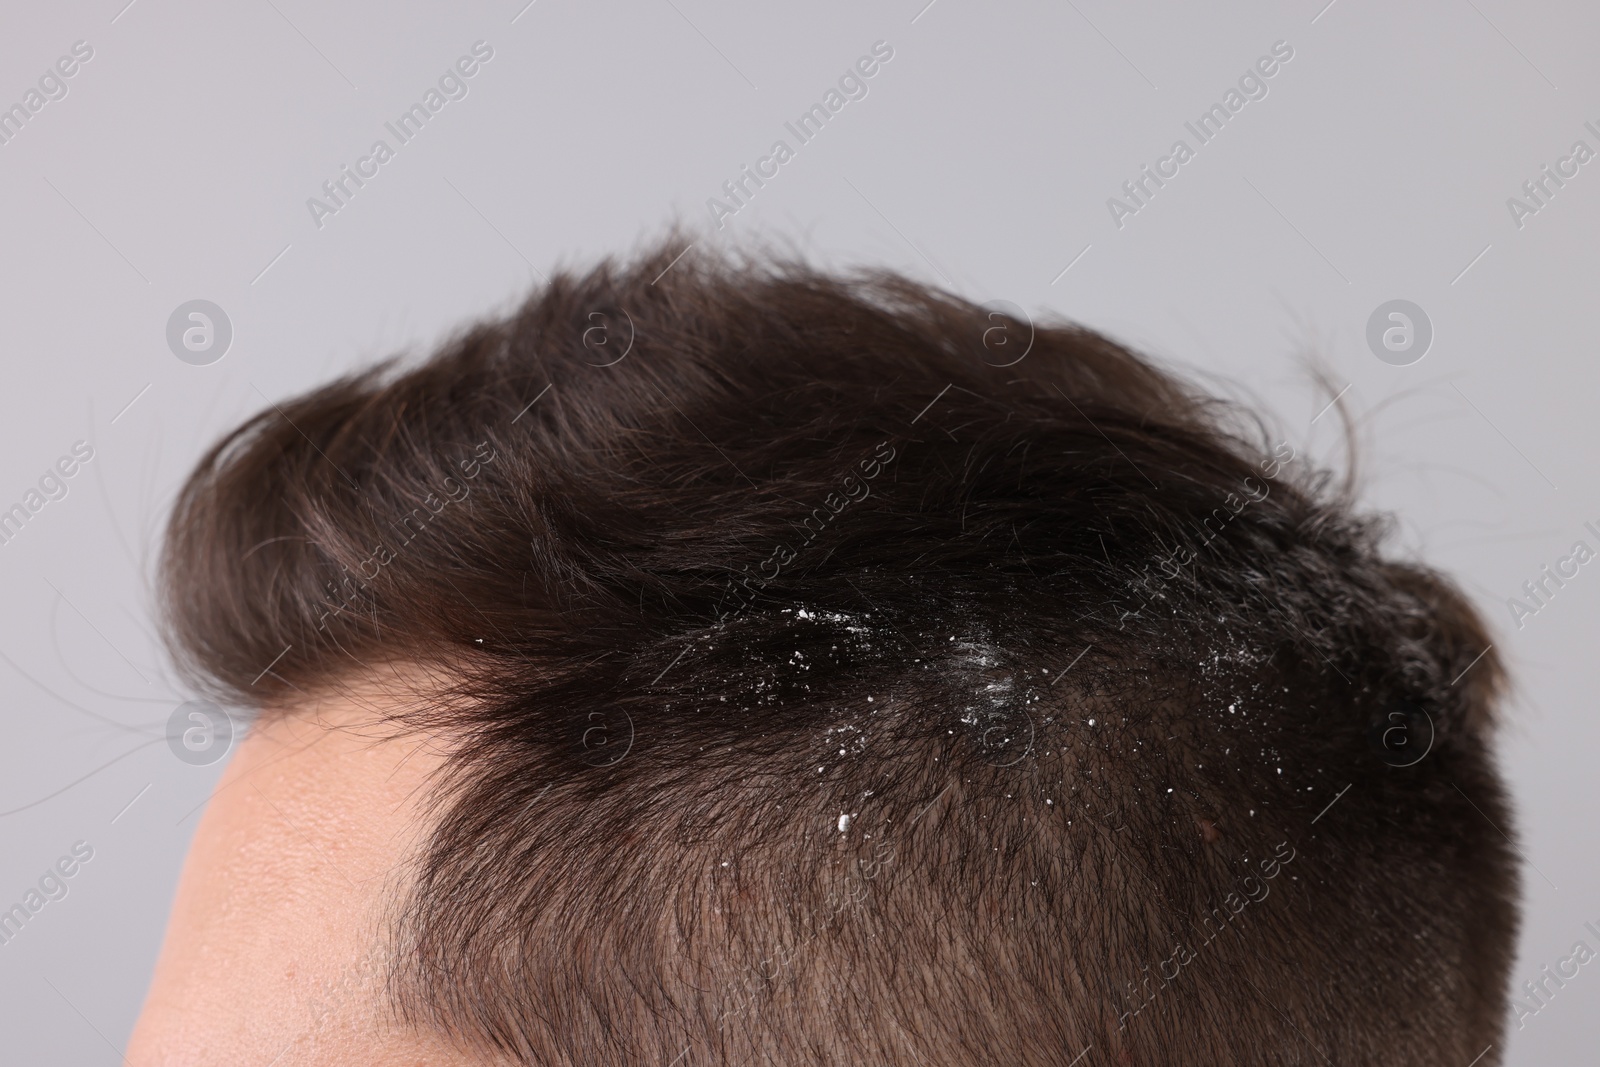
{"type": "Point", "coordinates": [831, 678]}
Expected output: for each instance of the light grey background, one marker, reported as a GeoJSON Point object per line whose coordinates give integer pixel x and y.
{"type": "Point", "coordinates": [179, 164]}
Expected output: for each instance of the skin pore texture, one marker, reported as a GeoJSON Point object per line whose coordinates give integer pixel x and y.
{"type": "Point", "coordinates": [276, 949]}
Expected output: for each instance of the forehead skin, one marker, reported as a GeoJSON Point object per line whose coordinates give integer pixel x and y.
{"type": "Point", "coordinates": [276, 946]}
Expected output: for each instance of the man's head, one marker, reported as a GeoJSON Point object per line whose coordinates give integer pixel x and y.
{"type": "Point", "coordinates": [803, 671]}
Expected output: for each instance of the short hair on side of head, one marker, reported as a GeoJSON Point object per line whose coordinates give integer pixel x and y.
{"type": "Point", "coordinates": [826, 687]}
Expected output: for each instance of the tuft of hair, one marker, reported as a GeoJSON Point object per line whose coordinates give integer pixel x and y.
{"type": "Point", "coordinates": [844, 672]}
